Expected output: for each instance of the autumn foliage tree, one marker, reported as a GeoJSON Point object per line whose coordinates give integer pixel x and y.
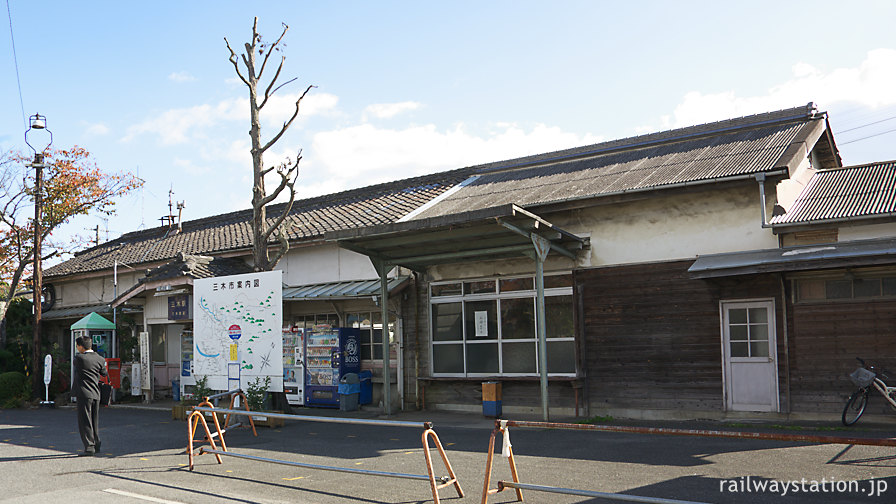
{"type": "Point", "coordinates": [252, 75]}
{"type": "Point", "coordinates": [72, 186]}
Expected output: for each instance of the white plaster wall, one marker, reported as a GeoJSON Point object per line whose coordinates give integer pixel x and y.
{"type": "Point", "coordinates": [324, 263]}
{"type": "Point", "coordinates": [870, 232]}
{"type": "Point", "coordinates": [673, 227]}
{"type": "Point", "coordinates": [788, 189]}
{"type": "Point", "coordinates": [90, 291]}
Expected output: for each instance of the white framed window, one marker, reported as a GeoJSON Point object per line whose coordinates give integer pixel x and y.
{"type": "Point", "coordinates": [371, 333]}
{"type": "Point", "coordinates": [487, 327]}
{"type": "Point", "coordinates": [845, 287]}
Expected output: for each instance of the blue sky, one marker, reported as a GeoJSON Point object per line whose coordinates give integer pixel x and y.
{"type": "Point", "coordinates": [405, 88]}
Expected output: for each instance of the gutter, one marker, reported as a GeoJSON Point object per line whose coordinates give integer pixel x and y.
{"type": "Point", "coordinates": [834, 220]}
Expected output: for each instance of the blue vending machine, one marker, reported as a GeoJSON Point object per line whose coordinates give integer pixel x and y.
{"type": "Point", "coordinates": [330, 353]}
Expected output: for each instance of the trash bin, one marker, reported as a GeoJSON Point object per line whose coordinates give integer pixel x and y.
{"type": "Point", "coordinates": [366, 396]}
{"type": "Point", "coordinates": [349, 390]}
{"type": "Point", "coordinates": [491, 399]}
{"type": "Point", "coordinates": [175, 389]}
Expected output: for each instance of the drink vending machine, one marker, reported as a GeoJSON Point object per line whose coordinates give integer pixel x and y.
{"type": "Point", "coordinates": [294, 365]}
{"type": "Point", "coordinates": [330, 353]}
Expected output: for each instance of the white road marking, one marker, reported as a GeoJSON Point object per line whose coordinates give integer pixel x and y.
{"type": "Point", "coordinates": [141, 497]}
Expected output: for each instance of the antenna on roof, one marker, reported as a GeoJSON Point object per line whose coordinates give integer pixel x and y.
{"type": "Point", "coordinates": [169, 219]}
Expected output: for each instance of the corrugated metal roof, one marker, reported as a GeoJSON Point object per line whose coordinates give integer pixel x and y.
{"type": "Point", "coordinates": [846, 193]}
{"type": "Point", "coordinates": [341, 290]}
{"type": "Point", "coordinates": [808, 257]}
{"type": "Point", "coordinates": [730, 148]}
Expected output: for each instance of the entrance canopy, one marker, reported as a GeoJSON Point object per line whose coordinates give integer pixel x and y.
{"type": "Point", "coordinates": [500, 232]}
{"type": "Point", "coordinates": [802, 258]}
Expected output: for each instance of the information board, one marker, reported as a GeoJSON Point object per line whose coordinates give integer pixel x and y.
{"type": "Point", "coordinates": [236, 329]}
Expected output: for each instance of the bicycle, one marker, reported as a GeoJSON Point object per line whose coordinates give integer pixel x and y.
{"type": "Point", "coordinates": [866, 377]}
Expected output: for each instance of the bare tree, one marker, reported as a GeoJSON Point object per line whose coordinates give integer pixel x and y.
{"type": "Point", "coordinates": [262, 231]}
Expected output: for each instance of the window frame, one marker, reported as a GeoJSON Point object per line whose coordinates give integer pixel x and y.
{"type": "Point", "coordinates": [466, 342]}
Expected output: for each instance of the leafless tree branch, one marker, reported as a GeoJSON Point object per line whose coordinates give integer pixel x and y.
{"type": "Point", "coordinates": [289, 122]}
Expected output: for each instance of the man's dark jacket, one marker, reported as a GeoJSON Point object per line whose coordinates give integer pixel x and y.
{"type": "Point", "coordinates": [89, 366]}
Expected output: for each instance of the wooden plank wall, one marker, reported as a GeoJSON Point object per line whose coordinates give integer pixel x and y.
{"type": "Point", "coordinates": [652, 335]}
{"type": "Point", "coordinates": [825, 339]}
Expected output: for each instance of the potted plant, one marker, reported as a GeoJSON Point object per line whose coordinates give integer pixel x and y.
{"type": "Point", "coordinates": [257, 399]}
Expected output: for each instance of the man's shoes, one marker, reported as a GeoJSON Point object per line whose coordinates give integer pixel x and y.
{"type": "Point", "coordinates": [97, 447]}
{"type": "Point", "coordinates": [86, 453]}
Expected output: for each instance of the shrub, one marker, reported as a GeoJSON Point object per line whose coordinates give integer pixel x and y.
{"type": "Point", "coordinates": [256, 392]}
{"type": "Point", "coordinates": [14, 389]}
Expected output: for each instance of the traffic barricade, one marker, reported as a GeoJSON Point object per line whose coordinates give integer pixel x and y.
{"type": "Point", "coordinates": [502, 429]}
{"type": "Point", "coordinates": [436, 483]}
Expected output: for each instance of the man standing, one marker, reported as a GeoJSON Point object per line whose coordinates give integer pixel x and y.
{"type": "Point", "coordinates": [89, 366]}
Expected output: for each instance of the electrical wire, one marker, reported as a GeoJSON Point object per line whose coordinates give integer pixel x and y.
{"type": "Point", "coordinates": [867, 137]}
{"type": "Point", "coordinates": [16, 61]}
{"type": "Point", "coordinates": [866, 125]}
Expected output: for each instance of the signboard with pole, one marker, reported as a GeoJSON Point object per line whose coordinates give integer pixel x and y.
{"type": "Point", "coordinates": [48, 376]}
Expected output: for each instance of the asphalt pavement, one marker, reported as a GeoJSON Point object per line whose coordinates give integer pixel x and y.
{"type": "Point", "coordinates": [144, 459]}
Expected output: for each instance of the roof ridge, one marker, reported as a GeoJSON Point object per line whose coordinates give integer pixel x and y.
{"type": "Point", "coordinates": [805, 112]}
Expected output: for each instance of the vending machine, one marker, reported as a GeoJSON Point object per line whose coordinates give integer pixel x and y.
{"type": "Point", "coordinates": [294, 365]}
{"type": "Point", "coordinates": [330, 353]}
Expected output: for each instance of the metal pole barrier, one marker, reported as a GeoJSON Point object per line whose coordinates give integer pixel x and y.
{"type": "Point", "coordinates": [452, 478]}
{"type": "Point", "coordinates": [766, 436]}
{"type": "Point", "coordinates": [428, 433]}
{"type": "Point", "coordinates": [224, 394]}
{"type": "Point", "coordinates": [356, 421]}
{"type": "Point", "coordinates": [191, 431]}
{"type": "Point", "coordinates": [588, 493]}
{"type": "Point", "coordinates": [321, 467]}
{"type": "Point", "coordinates": [502, 426]}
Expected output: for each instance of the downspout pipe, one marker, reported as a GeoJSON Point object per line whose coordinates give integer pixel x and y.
{"type": "Point", "coordinates": [760, 178]}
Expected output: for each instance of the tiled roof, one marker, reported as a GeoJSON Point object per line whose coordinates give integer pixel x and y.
{"type": "Point", "coordinates": [186, 266]}
{"type": "Point", "coordinates": [309, 219]}
{"type": "Point", "coordinates": [736, 147]}
{"type": "Point", "coordinates": [850, 192]}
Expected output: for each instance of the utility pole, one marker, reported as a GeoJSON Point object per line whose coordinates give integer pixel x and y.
{"type": "Point", "coordinates": [37, 122]}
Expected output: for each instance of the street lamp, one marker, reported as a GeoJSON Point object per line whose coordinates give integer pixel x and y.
{"type": "Point", "coordinates": [37, 122]}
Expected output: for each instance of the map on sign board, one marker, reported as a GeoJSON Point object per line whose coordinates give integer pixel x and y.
{"type": "Point", "coordinates": [237, 325]}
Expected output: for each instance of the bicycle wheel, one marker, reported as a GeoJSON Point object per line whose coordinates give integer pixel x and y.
{"type": "Point", "coordinates": [855, 406]}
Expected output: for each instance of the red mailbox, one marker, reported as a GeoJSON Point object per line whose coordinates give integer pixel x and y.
{"type": "Point", "coordinates": [113, 373]}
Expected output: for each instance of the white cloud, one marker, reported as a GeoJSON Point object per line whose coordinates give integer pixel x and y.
{"type": "Point", "coordinates": [181, 77]}
{"type": "Point", "coordinates": [361, 155]}
{"type": "Point", "coordinates": [98, 129]}
{"type": "Point", "coordinates": [189, 167]}
{"type": "Point", "coordinates": [870, 84]}
{"type": "Point", "coordinates": [389, 110]}
{"type": "Point", "coordinates": [178, 126]}
{"type": "Point", "coordinates": [280, 108]}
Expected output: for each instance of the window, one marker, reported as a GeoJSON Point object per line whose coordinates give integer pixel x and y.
{"type": "Point", "coordinates": [846, 287]}
{"type": "Point", "coordinates": [748, 332]}
{"type": "Point", "coordinates": [488, 327]}
{"type": "Point", "coordinates": [370, 324]}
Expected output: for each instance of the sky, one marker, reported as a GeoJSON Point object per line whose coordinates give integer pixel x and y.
{"type": "Point", "coordinates": [408, 88]}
